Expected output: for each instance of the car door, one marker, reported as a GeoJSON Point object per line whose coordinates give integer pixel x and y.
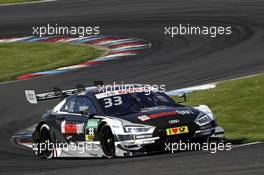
{"type": "Point", "coordinates": [86, 108]}
{"type": "Point", "coordinates": [85, 105]}
{"type": "Point", "coordinates": [72, 124]}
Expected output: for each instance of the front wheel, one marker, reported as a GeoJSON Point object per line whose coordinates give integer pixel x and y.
{"type": "Point", "coordinates": [46, 147]}
{"type": "Point", "coordinates": [107, 141]}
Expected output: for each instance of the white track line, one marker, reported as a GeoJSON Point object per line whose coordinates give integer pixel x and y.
{"type": "Point", "coordinates": [239, 78]}
{"type": "Point", "coordinates": [205, 86]}
{"type": "Point", "coordinates": [246, 144]}
{"type": "Point", "coordinates": [22, 3]}
{"type": "Point", "coordinates": [191, 89]}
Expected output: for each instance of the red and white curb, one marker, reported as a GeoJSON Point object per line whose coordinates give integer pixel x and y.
{"type": "Point", "coordinates": [119, 47]}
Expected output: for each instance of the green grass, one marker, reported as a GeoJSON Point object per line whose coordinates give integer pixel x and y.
{"type": "Point", "coordinates": [14, 1]}
{"type": "Point", "coordinates": [22, 58]}
{"type": "Point", "coordinates": [238, 106]}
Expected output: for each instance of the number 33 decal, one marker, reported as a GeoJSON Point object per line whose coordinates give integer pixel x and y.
{"type": "Point", "coordinates": [112, 101]}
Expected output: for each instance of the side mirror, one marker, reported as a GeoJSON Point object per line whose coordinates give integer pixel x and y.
{"type": "Point", "coordinates": [184, 98]}
{"type": "Point", "coordinates": [83, 109]}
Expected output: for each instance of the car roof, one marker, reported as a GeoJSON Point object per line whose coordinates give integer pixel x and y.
{"type": "Point", "coordinates": [109, 88]}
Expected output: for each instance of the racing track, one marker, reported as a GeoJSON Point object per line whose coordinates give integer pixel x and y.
{"type": "Point", "coordinates": [178, 62]}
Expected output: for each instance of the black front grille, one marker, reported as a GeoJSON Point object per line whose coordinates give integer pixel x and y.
{"type": "Point", "coordinates": [162, 134]}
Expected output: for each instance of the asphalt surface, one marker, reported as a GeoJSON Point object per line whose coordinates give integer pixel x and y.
{"type": "Point", "coordinates": [178, 62]}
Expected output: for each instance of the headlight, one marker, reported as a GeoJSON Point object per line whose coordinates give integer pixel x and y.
{"type": "Point", "coordinates": [136, 129]}
{"type": "Point", "coordinates": [203, 119]}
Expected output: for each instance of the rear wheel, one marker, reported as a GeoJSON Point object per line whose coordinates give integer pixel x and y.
{"type": "Point", "coordinates": [46, 147]}
{"type": "Point", "coordinates": [107, 141]}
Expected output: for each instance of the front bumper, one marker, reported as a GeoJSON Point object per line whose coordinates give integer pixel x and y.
{"type": "Point", "coordinates": [136, 146]}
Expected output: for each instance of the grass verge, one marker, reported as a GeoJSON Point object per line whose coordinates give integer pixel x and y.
{"type": "Point", "coordinates": [238, 106]}
{"type": "Point", "coordinates": [22, 58]}
{"type": "Point", "coordinates": [14, 1]}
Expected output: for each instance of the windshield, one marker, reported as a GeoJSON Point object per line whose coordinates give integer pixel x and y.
{"type": "Point", "coordinates": [133, 102]}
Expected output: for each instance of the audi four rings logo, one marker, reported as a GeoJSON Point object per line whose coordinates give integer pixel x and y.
{"type": "Point", "coordinates": [174, 121]}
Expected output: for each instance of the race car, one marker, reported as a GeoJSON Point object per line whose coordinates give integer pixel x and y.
{"type": "Point", "coordinates": [107, 121]}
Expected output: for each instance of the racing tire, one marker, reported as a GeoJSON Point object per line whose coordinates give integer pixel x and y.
{"type": "Point", "coordinates": [45, 143]}
{"type": "Point", "coordinates": [107, 141]}
{"type": "Point", "coordinates": [216, 140]}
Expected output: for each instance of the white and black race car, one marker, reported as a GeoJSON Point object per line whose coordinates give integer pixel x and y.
{"type": "Point", "coordinates": [96, 122]}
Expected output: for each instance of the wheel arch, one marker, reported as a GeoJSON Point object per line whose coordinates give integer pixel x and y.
{"type": "Point", "coordinates": [40, 125]}
{"type": "Point", "coordinates": [106, 123]}
{"type": "Point", "coordinates": [36, 133]}
{"type": "Point", "coordinates": [100, 126]}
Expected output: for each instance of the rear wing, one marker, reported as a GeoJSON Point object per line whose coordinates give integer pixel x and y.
{"type": "Point", "coordinates": [33, 98]}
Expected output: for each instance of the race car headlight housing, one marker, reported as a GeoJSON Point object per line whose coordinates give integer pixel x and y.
{"type": "Point", "coordinates": [203, 119]}
{"type": "Point", "coordinates": [136, 129]}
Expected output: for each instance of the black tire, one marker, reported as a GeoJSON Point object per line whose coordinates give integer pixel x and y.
{"type": "Point", "coordinates": [216, 140]}
{"type": "Point", "coordinates": [107, 141]}
{"type": "Point", "coordinates": [45, 143]}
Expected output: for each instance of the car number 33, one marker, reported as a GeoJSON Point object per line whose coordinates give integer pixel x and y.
{"type": "Point", "coordinates": [109, 102]}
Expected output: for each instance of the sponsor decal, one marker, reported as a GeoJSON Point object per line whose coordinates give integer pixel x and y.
{"type": "Point", "coordinates": [161, 114]}
{"type": "Point", "coordinates": [145, 142]}
{"type": "Point", "coordinates": [71, 128]}
{"type": "Point", "coordinates": [143, 136]}
{"type": "Point", "coordinates": [184, 112]}
{"type": "Point", "coordinates": [177, 130]}
{"type": "Point", "coordinates": [133, 90]}
{"type": "Point", "coordinates": [143, 118]}
{"type": "Point", "coordinates": [164, 114]}
{"type": "Point", "coordinates": [115, 126]}
{"type": "Point", "coordinates": [92, 123]}
{"type": "Point", "coordinates": [69, 137]}
{"type": "Point", "coordinates": [90, 129]}
{"type": "Point", "coordinates": [108, 94]}
{"type": "Point", "coordinates": [89, 136]}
